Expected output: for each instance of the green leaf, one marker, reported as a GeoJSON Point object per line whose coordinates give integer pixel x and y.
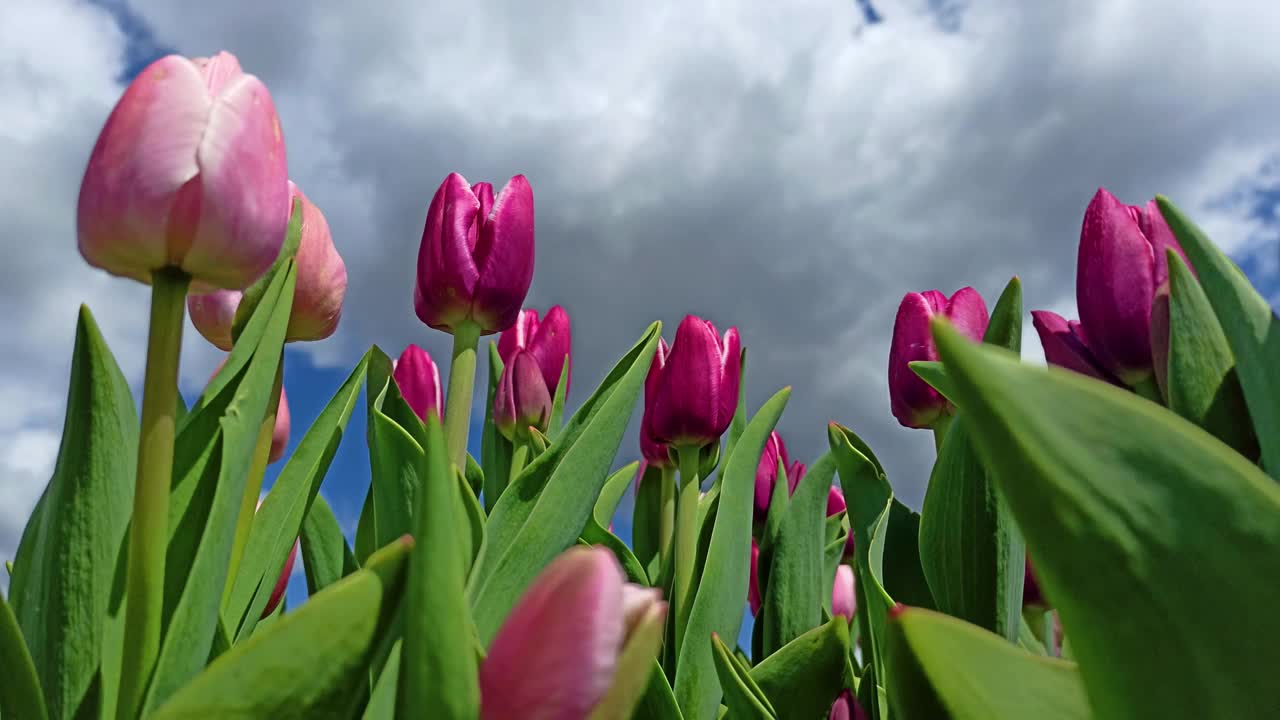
{"type": "Point", "coordinates": [741, 693]}
{"type": "Point", "coordinates": [495, 450]}
{"type": "Point", "coordinates": [933, 373]}
{"type": "Point", "coordinates": [1202, 385]}
{"type": "Point", "coordinates": [970, 548]}
{"type": "Point", "coordinates": [20, 694]}
{"type": "Point", "coordinates": [646, 517]}
{"type": "Point", "coordinates": [326, 557]}
{"type": "Point", "coordinates": [614, 488]}
{"type": "Point", "coordinates": [63, 572]}
{"type": "Point", "coordinates": [544, 511]}
{"type": "Point", "coordinates": [738, 423]}
{"type": "Point", "coordinates": [474, 477]}
{"type": "Point", "coordinates": [311, 663]}
{"type": "Point", "coordinates": [437, 662]}
{"type": "Point", "coordinates": [279, 520]}
{"type": "Point", "coordinates": [1249, 324]}
{"type": "Point", "coordinates": [722, 587]}
{"type": "Point", "coordinates": [557, 402]}
{"type": "Point", "coordinates": [793, 596]}
{"type": "Point", "coordinates": [1005, 327]}
{"type": "Point", "coordinates": [807, 674]}
{"type": "Point", "coordinates": [1117, 498]}
{"type": "Point", "coordinates": [593, 534]}
{"type": "Point", "coordinates": [382, 699]}
{"type": "Point", "coordinates": [658, 701]}
{"type": "Point", "coordinates": [200, 549]}
{"type": "Point", "coordinates": [255, 294]}
{"type": "Point", "coordinates": [940, 662]}
{"type": "Point", "coordinates": [364, 546]}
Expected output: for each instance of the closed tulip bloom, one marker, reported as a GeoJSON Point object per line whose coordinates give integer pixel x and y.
{"type": "Point", "coordinates": [846, 707]}
{"type": "Point", "coordinates": [1121, 264]}
{"type": "Point", "coordinates": [188, 172]}
{"type": "Point", "coordinates": [282, 584]}
{"type": "Point", "coordinates": [319, 290]}
{"type": "Point", "coordinates": [280, 433]}
{"type": "Point", "coordinates": [753, 588]}
{"type": "Point", "coordinates": [476, 258]}
{"type": "Point", "coordinates": [548, 340]}
{"type": "Point", "coordinates": [418, 378]}
{"type": "Point", "coordinates": [580, 640]}
{"type": "Point", "coordinates": [655, 451]}
{"type": "Point", "coordinates": [697, 391]}
{"type": "Point", "coordinates": [836, 504]}
{"type": "Point", "coordinates": [1066, 346]}
{"type": "Point", "coordinates": [914, 402]}
{"type": "Point", "coordinates": [767, 473]}
{"type": "Point", "coordinates": [842, 598]}
{"type": "Point", "coordinates": [522, 398]}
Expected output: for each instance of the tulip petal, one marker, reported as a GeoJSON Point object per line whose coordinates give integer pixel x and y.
{"type": "Point", "coordinates": [551, 345]}
{"type": "Point", "coordinates": [418, 378]}
{"type": "Point", "coordinates": [842, 597]}
{"type": "Point", "coordinates": [554, 657]}
{"type": "Point", "coordinates": [218, 71]}
{"type": "Point", "coordinates": [144, 155]}
{"type": "Point", "coordinates": [753, 589]}
{"type": "Point", "coordinates": [322, 277]}
{"type": "Point", "coordinates": [532, 396]}
{"type": "Point", "coordinates": [687, 408]}
{"type": "Point", "coordinates": [282, 584]}
{"type": "Point", "coordinates": [767, 472]}
{"type": "Point", "coordinates": [731, 372]}
{"type": "Point", "coordinates": [1157, 231]}
{"type": "Point", "coordinates": [213, 314]}
{"type": "Point", "coordinates": [913, 402]}
{"type": "Point", "coordinates": [1064, 345]}
{"type": "Point", "coordinates": [504, 255]}
{"type": "Point", "coordinates": [447, 272]}
{"type": "Point", "coordinates": [519, 335]}
{"type": "Point", "coordinates": [280, 433]}
{"type": "Point", "coordinates": [967, 311]}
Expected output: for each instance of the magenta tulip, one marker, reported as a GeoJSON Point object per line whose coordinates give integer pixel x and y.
{"type": "Point", "coordinates": [523, 399]}
{"type": "Point", "coordinates": [842, 598]}
{"type": "Point", "coordinates": [697, 387]}
{"type": "Point", "coordinates": [836, 504]}
{"type": "Point", "coordinates": [1066, 346]}
{"type": "Point", "coordinates": [846, 707]}
{"type": "Point", "coordinates": [654, 451]}
{"type": "Point", "coordinates": [476, 258]}
{"type": "Point", "coordinates": [320, 287]}
{"type": "Point", "coordinates": [767, 473]}
{"type": "Point", "coordinates": [280, 433]}
{"type": "Point", "coordinates": [188, 172]}
{"type": "Point", "coordinates": [418, 378]}
{"type": "Point", "coordinates": [580, 640]}
{"type": "Point", "coordinates": [1121, 264]}
{"type": "Point", "coordinates": [548, 341]}
{"type": "Point", "coordinates": [914, 403]}
{"type": "Point", "coordinates": [282, 584]}
{"type": "Point", "coordinates": [753, 588]}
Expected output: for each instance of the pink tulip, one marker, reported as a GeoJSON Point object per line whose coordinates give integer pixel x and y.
{"type": "Point", "coordinates": [1120, 266]}
{"type": "Point", "coordinates": [697, 387]}
{"type": "Point", "coordinates": [846, 707]}
{"type": "Point", "coordinates": [280, 433]}
{"type": "Point", "coordinates": [842, 598]}
{"type": "Point", "coordinates": [654, 451]}
{"type": "Point", "coordinates": [277, 593]}
{"type": "Point", "coordinates": [580, 640]}
{"type": "Point", "coordinates": [522, 399]}
{"type": "Point", "coordinates": [549, 341]}
{"type": "Point", "coordinates": [836, 504]}
{"type": "Point", "coordinates": [914, 403]}
{"type": "Point", "coordinates": [476, 258]}
{"type": "Point", "coordinates": [418, 378]}
{"type": "Point", "coordinates": [767, 473]}
{"type": "Point", "coordinates": [320, 287]}
{"type": "Point", "coordinates": [188, 172]}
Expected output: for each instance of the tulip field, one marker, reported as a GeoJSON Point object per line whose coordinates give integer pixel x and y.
{"type": "Point", "coordinates": [1099, 538]}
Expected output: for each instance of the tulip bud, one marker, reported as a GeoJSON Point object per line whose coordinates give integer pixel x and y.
{"type": "Point", "coordinates": [476, 258]}
{"type": "Point", "coordinates": [846, 707]}
{"type": "Point", "coordinates": [548, 341]}
{"type": "Point", "coordinates": [188, 172]}
{"type": "Point", "coordinates": [836, 504]}
{"type": "Point", "coordinates": [418, 378]}
{"type": "Point", "coordinates": [522, 398]}
{"type": "Point", "coordinates": [914, 403]}
{"type": "Point", "coordinates": [697, 387]}
{"type": "Point", "coordinates": [655, 452]}
{"type": "Point", "coordinates": [1121, 263]}
{"type": "Point", "coordinates": [579, 641]}
{"type": "Point", "coordinates": [753, 589]}
{"type": "Point", "coordinates": [767, 473]}
{"type": "Point", "coordinates": [842, 598]}
{"type": "Point", "coordinates": [280, 433]}
{"type": "Point", "coordinates": [277, 593]}
{"type": "Point", "coordinates": [317, 297]}
{"type": "Point", "coordinates": [1066, 346]}
{"type": "Point", "coordinates": [1031, 587]}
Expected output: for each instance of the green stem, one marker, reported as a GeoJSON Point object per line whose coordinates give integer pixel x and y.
{"type": "Point", "coordinates": [149, 530]}
{"type": "Point", "coordinates": [1148, 389]}
{"type": "Point", "coordinates": [457, 403]}
{"type": "Point", "coordinates": [253, 484]}
{"type": "Point", "coordinates": [666, 516]}
{"type": "Point", "coordinates": [940, 427]}
{"type": "Point", "coordinates": [686, 539]}
{"type": "Point", "coordinates": [519, 458]}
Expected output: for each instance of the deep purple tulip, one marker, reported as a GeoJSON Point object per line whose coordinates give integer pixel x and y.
{"type": "Point", "coordinates": [418, 378]}
{"type": "Point", "coordinates": [697, 388]}
{"type": "Point", "coordinates": [654, 451]}
{"type": "Point", "coordinates": [836, 504]}
{"type": "Point", "coordinates": [914, 403]}
{"type": "Point", "coordinates": [189, 171]}
{"type": "Point", "coordinates": [1031, 594]}
{"type": "Point", "coordinates": [1066, 345]}
{"type": "Point", "coordinates": [767, 473]}
{"type": "Point", "coordinates": [1121, 264]}
{"type": "Point", "coordinates": [522, 398]}
{"type": "Point", "coordinates": [580, 640]}
{"type": "Point", "coordinates": [476, 258]}
{"type": "Point", "coordinates": [548, 340]}
{"type": "Point", "coordinates": [843, 601]}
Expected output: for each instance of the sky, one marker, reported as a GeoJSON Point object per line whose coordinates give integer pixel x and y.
{"type": "Point", "coordinates": [791, 169]}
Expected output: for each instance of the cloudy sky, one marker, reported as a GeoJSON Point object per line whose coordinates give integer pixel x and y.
{"type": "Point", "coordinates": [788, 168]}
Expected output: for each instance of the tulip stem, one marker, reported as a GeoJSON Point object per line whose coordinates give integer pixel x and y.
{"type": "Point", "coordinates": [666, 516]}
{"type": "Point", "coordinates": [1148, 389]}
{"type": "Point", "coordinates": [686, 538]}
{"type": "Point", "coordinates": [519, 458]}
{"type": "Point", "coordinates": [940, 427]}
{"type": "Point", "coordinates": [149, 529]}
{"type": "Point", "coordinates": [457, 403]}
{"type": "Point", "coordinates": [253, 484]}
